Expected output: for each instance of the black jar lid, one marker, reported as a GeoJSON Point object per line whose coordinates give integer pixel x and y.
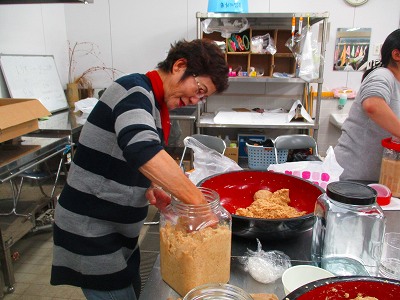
{"type": "Point", "coordinates": [350, 192]}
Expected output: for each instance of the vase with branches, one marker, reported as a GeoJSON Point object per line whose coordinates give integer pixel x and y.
{"type": "Point", "coordinates": [83, 81]}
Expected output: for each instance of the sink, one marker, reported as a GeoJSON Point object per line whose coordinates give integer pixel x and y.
{"type": "Point", "coordinates": [337, 119]}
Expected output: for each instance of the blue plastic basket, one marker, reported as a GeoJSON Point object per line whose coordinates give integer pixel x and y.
{"type": "Point", "coordinates": [260, 157]}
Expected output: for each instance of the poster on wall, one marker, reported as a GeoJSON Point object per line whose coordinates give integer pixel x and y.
{"type": "Point", "coordinates": [351, 49]}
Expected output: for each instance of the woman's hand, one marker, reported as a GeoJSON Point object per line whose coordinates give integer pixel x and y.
{"type": "Point", "coordinates": [158, 197]}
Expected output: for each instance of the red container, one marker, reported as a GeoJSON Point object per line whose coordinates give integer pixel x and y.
{"type": "Point", "coordinates": [347, 287]}
{"type": "Point", "coordinates": [236, 190]}
{"type": "Point", "coordinates": [384, 195]}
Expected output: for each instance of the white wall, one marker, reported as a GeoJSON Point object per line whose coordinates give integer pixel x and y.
{"type": "Point", "coordinates": [133, 36]}
{"type": "Point", "coordinates": [34, 29]}
{"type": "Point", "coordinates": [123, 42]}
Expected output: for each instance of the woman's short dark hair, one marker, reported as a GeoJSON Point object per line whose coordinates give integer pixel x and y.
{"type": "Point", "coordinates": [203, 57]}
{"type": "Point", "coordinates": [391, 43]}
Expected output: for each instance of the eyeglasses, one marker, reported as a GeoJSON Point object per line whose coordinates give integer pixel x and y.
{"type": "Point", "coordinates": [201, 89]}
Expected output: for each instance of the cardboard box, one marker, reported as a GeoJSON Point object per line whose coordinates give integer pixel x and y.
{"type": "Point", "coordinates": [232, 153]}
{"type": "Point", "coordinates": [19, 117]}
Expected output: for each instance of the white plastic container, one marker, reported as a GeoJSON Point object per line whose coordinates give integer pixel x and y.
{"type": "Point", "coordinates": [297, 276]}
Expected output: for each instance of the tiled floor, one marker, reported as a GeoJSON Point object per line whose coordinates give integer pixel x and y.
{"type": "Point", "coordinates": [32, 268]}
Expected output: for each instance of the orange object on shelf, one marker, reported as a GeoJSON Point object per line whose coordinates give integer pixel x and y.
{"type": "Point", "coordinates": [327, 94]}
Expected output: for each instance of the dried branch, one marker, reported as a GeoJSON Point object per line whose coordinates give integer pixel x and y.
{"type": "Point", "coordinates": [83, 49]}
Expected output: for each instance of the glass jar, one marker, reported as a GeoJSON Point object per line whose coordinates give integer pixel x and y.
{"type": "Point", "coordinates": [195, 243]}
{"type": "Point", "coordinates": [390, 167]}
{"type": "Point", "coordinates": [348, 230]}
{"type": "Point", "coordinates": [217, 291]}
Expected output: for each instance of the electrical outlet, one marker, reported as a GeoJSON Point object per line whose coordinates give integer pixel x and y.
{"type": "Point", "coordinates": [377, 49]}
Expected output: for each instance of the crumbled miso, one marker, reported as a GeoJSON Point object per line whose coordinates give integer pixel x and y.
{"type": "Point", "coordinates": [190, 259]}
{"type": "Point", "coordinates": [269, 205]}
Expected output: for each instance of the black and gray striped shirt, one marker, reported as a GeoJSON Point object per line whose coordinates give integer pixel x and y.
{"type": "Point", "coordinates": [102, 207]}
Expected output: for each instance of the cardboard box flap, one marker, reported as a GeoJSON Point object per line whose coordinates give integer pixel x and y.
{"type": "Point", "coordinates": [17, 111]}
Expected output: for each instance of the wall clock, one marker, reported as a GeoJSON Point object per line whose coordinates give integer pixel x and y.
{"type": "Point", "coordinates": [356, 2]}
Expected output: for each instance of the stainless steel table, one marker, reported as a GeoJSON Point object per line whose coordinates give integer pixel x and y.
{"type": "Point", "coordinates": [27, 153]}
{"type": "Point", "coordinates": [62, 123]}
{"type": "Point", "coordinates": [15, 159]}
{"type": "Point", "coordinates": [297, 249]}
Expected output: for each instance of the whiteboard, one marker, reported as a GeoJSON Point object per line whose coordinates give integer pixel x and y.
{"type": "Point", "coordinates": [34, 76]}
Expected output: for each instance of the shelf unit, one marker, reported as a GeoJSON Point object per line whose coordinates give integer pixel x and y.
{"type": "Point", "coordinates": [278, 25]}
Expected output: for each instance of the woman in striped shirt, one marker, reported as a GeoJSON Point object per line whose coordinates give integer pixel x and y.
{"type": "Point", "coordinates": [118, 163]}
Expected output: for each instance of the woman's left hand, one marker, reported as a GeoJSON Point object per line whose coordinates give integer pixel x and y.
{"type": "Point", "coordinates": [158, 197]}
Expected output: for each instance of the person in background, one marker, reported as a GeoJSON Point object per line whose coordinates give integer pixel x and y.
{"type": "Point", "coordinates": [374, 115]}
{"type": "Point", "coordinates": [119, 167]}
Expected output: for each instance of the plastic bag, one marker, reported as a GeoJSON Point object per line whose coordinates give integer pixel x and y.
{"type": "Point", "coordinates": [265, 267]}
{"type": "Point", "coordinates": [308, 64]}
{"type": "Point", "coordinates": [318, 172]}
{"type": "Point", "coordinates": [225, 26]}
{"type": "Point", "coordinates": [207, 161]}
{"type": "Point", "coordinates": [263, 44]}
{"type": "Point", "coordinates": [296, 44]}
{"type": "Point", "coordinates": [85, 106]}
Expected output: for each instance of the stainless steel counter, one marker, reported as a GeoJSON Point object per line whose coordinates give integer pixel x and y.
{"type": "Point", "coordinates": [15, 159]}
{"type": "Point", "coordinates": [61, 124]}
{"type": "Point", "coordinates": [29, 152]}
{"type": "Point", "coordinates": [297, 249]}
{"type": "Point", "coordinates": [183, 121]}
{"type": "Point", "coordinates": [64, 122]}
{"type": "Point", "coordinates": [184, 113]}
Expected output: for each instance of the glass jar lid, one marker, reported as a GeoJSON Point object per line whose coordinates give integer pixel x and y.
{"type": "Point", "coordinates": [389, 144]}
{"type": "Point", "coordinates": [350, 192]}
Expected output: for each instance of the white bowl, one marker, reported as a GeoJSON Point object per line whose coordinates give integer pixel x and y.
{"type": "Point", "coordinates": [297, 276]}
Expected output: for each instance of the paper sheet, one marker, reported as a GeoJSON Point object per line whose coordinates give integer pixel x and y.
{"type": "Point", "coordinates": [85, 105]}
{"type": "Point", "coordinates": [303, 112]}
{"type": "Point", "coordinates": [252, 118]}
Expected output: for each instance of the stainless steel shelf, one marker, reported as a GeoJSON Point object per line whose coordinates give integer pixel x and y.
{"type": "Point", "coordinates": [262, 79]}
{"type": "Point", "coordinates": [269, 21]}
{"type": "Point", "coordinates": [206, 120]}
{"type": "Point", "coordinates": [265, 79]}
{"type": "Point", "coordinates": [285, 126]}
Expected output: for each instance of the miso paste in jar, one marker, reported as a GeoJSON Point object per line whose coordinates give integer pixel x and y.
{"type": "Point", "coordinates": [192, 258]}
{"type": "Point", "coordinates": [390, 167]}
